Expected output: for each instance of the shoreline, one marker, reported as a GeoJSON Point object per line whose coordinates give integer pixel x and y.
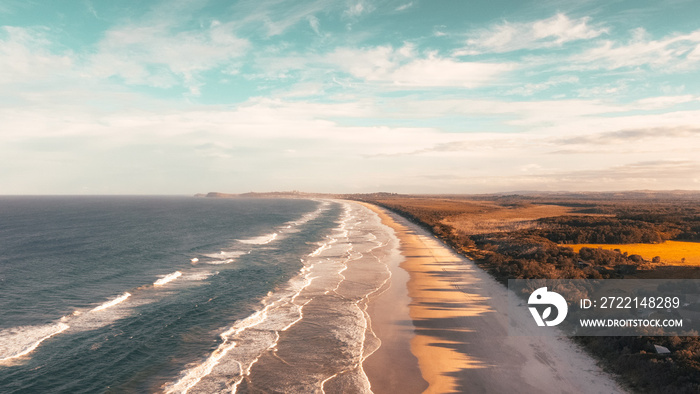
{"type": "Point", "coordinates": [392, 367]}
{"type": "Point", "coordinates": [459, 328]}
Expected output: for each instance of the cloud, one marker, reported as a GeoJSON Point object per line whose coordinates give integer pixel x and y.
{"type": "Point", "coordinates": [535, 113]}
{"type": "Point", "coordinates": [676, 52]}
{"type": "Point", "coordinates": [162, 57]}
{"type": "Point", "coordinates": [546, 33]}
{"type": "Point", "coordinates": [620, 142]}
{"type": "Point", "coordinates": [12, 7]}
{"type": "Point", "coordinates": [314, 23]}
{"type": "Point", "coordinates": [402, 67]}
{"type": "Point", "coordinates": [255, 135]}
{"type": "Point", "coordinates": [545, 117]}
{"type": "Point", "coordinates": [277, 16]}
{"type": "Point", "coordinates": [404, 7]}
{"type": "Point", "coordinates": [91, 9]}
{"type": "Point", "coordinates": [643, 173]}
{"type": "Point", "coordinates": [657, 174]}
{"type": "Point", "coordinates": [435, 71]}
{"type": "Point", "coordinates": [459, 145]}
{"type": "Point", "coordinates": [357, 8]}
{"type": "Point", "coordinates": [531, 88]}
{"type": "Point", "coordinates": [665, 101]}
{"type": "Point", "coordinates": [28, 55]}
{"type": "Point", "coordinates": [604, 90]}
{"type": "Point", "coordinates": [620, 137]}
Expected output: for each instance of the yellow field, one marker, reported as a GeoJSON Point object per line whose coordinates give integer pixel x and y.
{"type": "Point", "coordinates": [671, 252]}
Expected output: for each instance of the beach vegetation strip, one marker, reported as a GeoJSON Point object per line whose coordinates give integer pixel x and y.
{"type": "Point", "coordinates": [545, 247]}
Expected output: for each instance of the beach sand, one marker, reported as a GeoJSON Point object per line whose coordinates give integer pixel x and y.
{"type": "Point", "coordinates": [457, 325]}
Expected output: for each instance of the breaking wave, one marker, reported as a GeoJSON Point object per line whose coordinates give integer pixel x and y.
{"type": "Point", "coordinates": [331, 339]}
{"type": "Point", "coordinates": [112, 303]}
{"type": "Point", "coordinates": [261, 240]}
{"type": "Point", "coordinates": [17, 342]}
{"type": "Point", "coordinates": [167, 279]}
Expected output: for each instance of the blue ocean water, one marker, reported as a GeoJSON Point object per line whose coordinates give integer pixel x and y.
{"type": "Point", "coordinates": [125, 294]}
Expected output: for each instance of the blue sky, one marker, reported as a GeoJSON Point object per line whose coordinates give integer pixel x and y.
{"type": "Point", "coordinates": [440, 96]}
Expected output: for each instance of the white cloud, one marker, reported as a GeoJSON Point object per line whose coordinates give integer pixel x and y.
{"type": "Point", "coordinates": [336, 105]}
{"type": "Point", "coordinates": [634, 175]}
{"type": "Point", "coordinates": [218, 141]}
{"type": "Point", "coordinates": [157, 56]}
{"type": "Point", "coordinates": [276, 16]}
{"type": "Point", "coordinates": [546, 33]}
{"type": "Point", "coordinates": [403, 67]}
{"type": "Point", "coordinates": [522, 113]}
{"type": "Point", "coordinates": [26, 55]}
{"type": "Point", "coordinates": [531, 88]}
{"type": "Point", "coordinates": [314, 23]}
{"type": "Point", "coordinates": [604, 90]}
{"type": "Point", "coordinates": [435, 71]}
{"type": "Point", "coordinates": [404, 7]}
{"type": "Point", "coordinates": [672, 53]}
{"type": "Point", "coordinates": [665, 101]}
{"type": "Point", "coordinates": [357, 8]}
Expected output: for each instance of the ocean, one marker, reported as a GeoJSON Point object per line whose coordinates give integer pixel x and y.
{"type": "Point", "coordinates": [180, 294]}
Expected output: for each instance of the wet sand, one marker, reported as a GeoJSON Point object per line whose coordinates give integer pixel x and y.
{"type": "Point", "coordinates": [392, 368]}
{"type": "Point", "coordinates": [457, 325]}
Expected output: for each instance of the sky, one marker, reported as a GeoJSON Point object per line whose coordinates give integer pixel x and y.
{"type": "Point", "coordinates": [345, 96]}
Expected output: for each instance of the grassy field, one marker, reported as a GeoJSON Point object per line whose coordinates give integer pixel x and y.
{"type": "Point", "coordinates": [493, 218]}
{"type": "Point", "coordinates": [670, 252]}
{"type": "Point", "coordinates": [483, 216]}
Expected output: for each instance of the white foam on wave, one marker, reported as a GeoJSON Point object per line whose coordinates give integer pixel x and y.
{"type": "Point", "coordinates": [194, 375]}
{"type": "Point", "coordinates": [323, 247]}
{"type": "Point", "coordinates": [271, 319]}
{"type": "Point", "coordinates": [112, 303]}
{"type": "Point", "coordinates": [107, 313]}
{"type": "Point", "coordinates": [200, 275]}
{"type": "Point", "coordinates": [219, 262]}
{"type": "Point", "coordinates": [261, 240]}
{"type": "Point", "coordinates": [18, 342]}
{"type": "Point", "coordinates": [357, 369]}
{"type": "Point", "coordinates": [167, 278]}
{"type": "Point", "coordinates": [224, 257]}
{"type": "Point", "coordinates": [247, 340]}
{"type": "Point", "coordinates": [307, 217]}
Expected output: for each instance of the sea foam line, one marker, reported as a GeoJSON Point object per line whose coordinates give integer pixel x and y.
{"type": "Point", "coordinates": [261, 240]}
{"type": "Point", "coordinates": [112, 303]}
{"type": "Point", "coordinates": [15, 334]}
{"type": "Point", "coordinates": [362, 304]}
{"type": "Point", "coordinates": [365, 303]}
{"type": "Point", "coordinates": [273, 345]}
{"type": "Point", "coordinates": [322, 207]}
{"type": "Point", "coordinates": [59, 328]}
{"type": "Point", "coordinates": [194, 375]}
{"type": "Point", "coordinates": [323, 247]}
{"type": "Point", "coordinates": [167, 278]}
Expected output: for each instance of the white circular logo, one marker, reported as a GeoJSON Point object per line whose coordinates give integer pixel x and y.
{"type": "Point", "coordinates": [543, 297]}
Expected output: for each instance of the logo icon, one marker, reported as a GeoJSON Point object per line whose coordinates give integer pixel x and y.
{"type": "Point", "coordinates": [543, 297]}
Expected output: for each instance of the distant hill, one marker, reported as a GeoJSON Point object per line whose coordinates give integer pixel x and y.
{"type": "Point", "coordinates": [518, 195]}
{"type": "Point", "coordinates": [285, 194]}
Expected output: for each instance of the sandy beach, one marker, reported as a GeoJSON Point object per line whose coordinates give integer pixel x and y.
{"type": "Point", "coordinates": [455, 318]}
